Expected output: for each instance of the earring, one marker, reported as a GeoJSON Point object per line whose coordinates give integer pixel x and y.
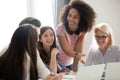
{"type": "Point", "coordinates": [40, 40]}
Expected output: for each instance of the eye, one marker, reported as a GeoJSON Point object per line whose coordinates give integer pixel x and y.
{"type": "Point", "coordinates": [51, 34]}
{"type": "Point", "coordinates": [100, 37]}
{"type": "Point", "coordinates": [76, 17]}
{"type": "Point", "coordinates": [46, 35]}
{"type": "Point", "coordinates": [96, 36]}
{"type": "Point", "coordinates": [103, 36]}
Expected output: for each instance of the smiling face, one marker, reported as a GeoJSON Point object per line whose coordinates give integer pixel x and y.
{"type": "Point", "coordinates": [101, 39]}
{"type": "Point", "coordinates": [47, 38]}
{"type": "Point", "coordinates": [73, 19]}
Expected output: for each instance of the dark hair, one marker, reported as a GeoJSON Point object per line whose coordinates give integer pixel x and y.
{"type": "Point", "coordinates": [43, 54]}
{"type": "Point", "coordinates": [30, 20]}
{"type": "Point", "coordinates": [85, 11]}
{"type": "Point", "coordinates": [23, 42]}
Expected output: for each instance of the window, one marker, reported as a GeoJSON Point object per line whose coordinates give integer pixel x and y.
{"type": "Point", "coordinates": [12, 12]}
{"type": "Point", "coordinates": [43, 10]}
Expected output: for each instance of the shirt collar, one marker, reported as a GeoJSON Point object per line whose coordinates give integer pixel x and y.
{"type": "Point", "coordinates": [108, 50]}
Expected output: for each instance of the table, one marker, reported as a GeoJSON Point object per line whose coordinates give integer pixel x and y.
{"type": "Point", "coordinates": [69, 75]}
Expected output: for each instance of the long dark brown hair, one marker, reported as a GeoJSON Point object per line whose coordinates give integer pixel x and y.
{"type": "Point", "coordinates": [43, 54]}
{"type": "Point", "coordinates": [11, 62]}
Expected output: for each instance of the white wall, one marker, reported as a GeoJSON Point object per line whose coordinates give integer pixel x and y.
{"type": "Point", "coordinates": [107, 11]}
{"type": "Point", "coordinates": [11, 13]}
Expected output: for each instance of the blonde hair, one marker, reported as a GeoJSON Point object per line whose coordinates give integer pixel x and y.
{"type": "Point", "coordinates": [104, 27]}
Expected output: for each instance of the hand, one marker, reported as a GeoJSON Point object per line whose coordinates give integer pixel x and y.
{"type": "Point", "coordinates": [80, 57]}
{"type": "Point", "coordinates": [54, 51]}
{"type": "Point", "coordinates": [65, 70]}
{"type": "Point", "coordinates": [82, 60]}
{"type": "Point", "coordinates": [52, 76]}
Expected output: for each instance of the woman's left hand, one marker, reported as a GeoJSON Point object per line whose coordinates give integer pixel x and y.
{"type": "Point", "coordinates": [55, 51]}
{"type": "Point", "coordinates": [80, 57]}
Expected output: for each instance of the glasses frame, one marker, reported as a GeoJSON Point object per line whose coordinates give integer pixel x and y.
{"type": "Point", "coordinates": [103, 37]}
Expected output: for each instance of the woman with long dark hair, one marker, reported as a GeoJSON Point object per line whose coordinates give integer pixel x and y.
{"type": "Point", "coordinates": [20, 56]}
{"type": "Point", "coordinates": [21, 60]}
{"type": "Point", "coordinates": [47, 48]}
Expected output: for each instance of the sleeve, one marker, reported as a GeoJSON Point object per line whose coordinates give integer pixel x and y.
{"type": "Point", "coordinates": [60, 30]}
{"type": "Point", "coordinates": [118, 53]}
{"type": "Point", "coordinates": [43, 72]}
{"type": "Point", "coordinates": [4, 49]}
{"type": "Point", "coordinates": [89, 60]}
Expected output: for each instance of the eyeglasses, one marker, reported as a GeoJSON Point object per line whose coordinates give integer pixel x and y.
{"type": "Point", "coordinates": [97, 37]}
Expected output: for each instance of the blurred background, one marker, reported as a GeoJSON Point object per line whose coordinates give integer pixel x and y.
{"type": "Point", "coordinates": [47, 11]}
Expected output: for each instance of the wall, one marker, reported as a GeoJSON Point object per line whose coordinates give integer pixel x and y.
{"type": "Point", "coordinates": [107, 11]}
{"type": "Point", "coordinates": [60, 4]}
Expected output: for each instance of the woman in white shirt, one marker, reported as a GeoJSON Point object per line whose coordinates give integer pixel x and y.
{"type": "Point", "coordinates": [105, 51]}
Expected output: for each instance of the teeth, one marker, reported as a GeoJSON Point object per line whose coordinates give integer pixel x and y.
{"type": "Point", "coordinates": [71, 23]}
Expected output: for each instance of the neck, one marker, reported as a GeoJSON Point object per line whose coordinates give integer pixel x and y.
{"type": "Point", "coordinates": [103, 50]}
{"type": "Point", "coordinates": [47, 48]}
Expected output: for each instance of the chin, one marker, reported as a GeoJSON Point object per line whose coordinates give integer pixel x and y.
{"type": "Point", "coordinates": [50, 45]}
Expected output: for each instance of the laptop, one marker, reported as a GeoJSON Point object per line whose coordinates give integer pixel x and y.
{"type": "Point", "coordinates": [93, 72]}
{"type": "Point", "coordinates": [113, 71]}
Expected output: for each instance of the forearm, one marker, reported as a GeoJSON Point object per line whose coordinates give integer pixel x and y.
{"type": "Point", "coordinates": [66, 46]}
{"type": "Point", "coordinates": [53, 63]}
{"type": "Point", "coordinates": [79, 48]}
{"type": "Point", "coordinates": [75, 64]}
{"type": "Point", "coordinates": [80, 44]}
{"type": "Point", "coordinates": [69, 51]}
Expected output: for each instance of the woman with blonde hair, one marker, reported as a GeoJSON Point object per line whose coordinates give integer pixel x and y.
{"type": "Point", "coordinates": [105, 51]}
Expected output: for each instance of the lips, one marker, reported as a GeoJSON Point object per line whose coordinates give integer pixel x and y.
{"type": "Point", "coordinates": [49, 42]}
{"type": "Point", "coordinates": [71, 23]}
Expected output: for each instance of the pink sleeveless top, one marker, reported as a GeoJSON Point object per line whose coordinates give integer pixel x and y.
{"type": "Point", "coordinates": [64, 59]}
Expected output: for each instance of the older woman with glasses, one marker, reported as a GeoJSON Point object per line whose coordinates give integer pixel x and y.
{"type": "Point", "coordinates": [105, 51]}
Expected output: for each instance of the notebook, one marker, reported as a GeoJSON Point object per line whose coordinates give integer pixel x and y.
{"type": "Point", "coordinates": [93, 72]}
{"type": "Point", "coordinates": [113, 71]}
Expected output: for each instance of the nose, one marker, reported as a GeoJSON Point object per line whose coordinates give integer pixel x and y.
{"type": "Point", "coordinates": [49, 38]}
{"type": "Point", "coordinates": [100, 40]}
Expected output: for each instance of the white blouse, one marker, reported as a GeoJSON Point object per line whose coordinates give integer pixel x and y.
{"type": "Point", "coordinates": [95, 56]}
